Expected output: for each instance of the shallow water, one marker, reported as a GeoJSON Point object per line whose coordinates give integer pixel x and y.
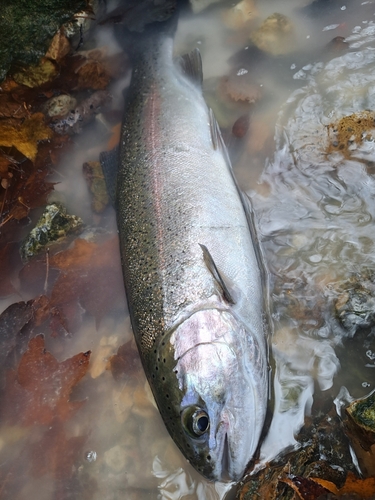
{"type": "Point", "coordinates": [315, 207]}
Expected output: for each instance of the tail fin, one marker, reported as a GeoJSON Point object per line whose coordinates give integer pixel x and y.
{"type": "Point", "coordinates": [142, 19]}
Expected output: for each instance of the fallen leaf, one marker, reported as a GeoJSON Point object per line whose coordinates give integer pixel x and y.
{"type": "Point", "coordinates": [306, 489]}
{"type": "Point", "coordinates": [56, 454]}
{"type": "Point", "coordinates": [60, 46]}
{"type": "Point", "coordinates": [38, 392]}
{"type": "Point", "coordinates": [26, 136]}
{"type": "Point", "coordinates": [125, 362]}
{"type": "Point", "coordinates": [9, 108]}
{"type": "Point", "coordinates": [35, 76]}
{"type": "Point", "coordinates": [87, 268]}
{"type": "Point", "coordinates": [92, 75]}
{"type": "Point", "coordinates": [7, 253]}
{"type": "Point", "coordinates": [365, 488]}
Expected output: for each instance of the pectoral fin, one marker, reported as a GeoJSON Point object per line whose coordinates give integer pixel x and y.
{"type": "Point", "coordinates": [211, 266]}
{"type": "Point", "coordinates": [109, 161]}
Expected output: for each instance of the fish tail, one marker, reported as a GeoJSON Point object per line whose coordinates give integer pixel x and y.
{"type": "Point", "coordinates": [144, 22]}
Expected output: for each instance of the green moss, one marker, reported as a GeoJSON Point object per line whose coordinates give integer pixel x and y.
{"type": "Point", "coordinates": [28, 26]}
{"type": "Point", "coordinates": [363, 412]}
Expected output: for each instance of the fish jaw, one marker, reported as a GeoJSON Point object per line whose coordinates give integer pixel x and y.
{"type": "Point", "coordinates": [222, 371]}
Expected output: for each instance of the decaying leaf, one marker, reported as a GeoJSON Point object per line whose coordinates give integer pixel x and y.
{"type": "Point", "coordinates": [306, 489]}
{"type": "Point", "coordinates": [60, 46]}
{"type": "Point", "coordinates": [364, 488]}
{"type": "Point", "coordinates": [291, 474]}
{"type": "Point", "coordinates": [7, 253]}
{"type": "Point", "coordinates": [35, 76]}
{"type": "Point", "coordinates": [126, 361]}
{"type": "Point", "coordinates": [87, 268]}
{"type": "Point", "coordinates": [38, 391]}
{"type": "Point", "coordinates": [26, 136]}
{"type": "Point", "coordinates": [56, 454]}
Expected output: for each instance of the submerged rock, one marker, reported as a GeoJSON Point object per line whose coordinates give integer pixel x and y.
{"type": "Point", "coordinates": [54, 225]}
{"type": "Point", "coordinates": [355, 306]}
{"type": "Point", "coordinates": [275, 35]}
{"type": "Point", "coordinates": [360, 425]}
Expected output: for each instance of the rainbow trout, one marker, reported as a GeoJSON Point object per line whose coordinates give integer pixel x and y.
{"type": "Point", "coordinates": [192, 277]}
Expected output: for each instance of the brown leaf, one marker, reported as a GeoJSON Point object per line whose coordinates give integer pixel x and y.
{"type": "Point", "coordinates": [60, 46]}
{"type": "Point", "coordinates": [9, 108]}
{"type": "Point", "coordinates": [306, 489]}
{"type": "Point", "coordinates": [92, 75]}
{"type": "Point", "coordinates": [126, 361]}
{"type": "Point", "coordinates": [88, 267]}
{"type": "Point", "coordinates": [35, 76]}
{"type": "Point", "coordinates": [365, 488]}
{"type": "Point", "coordinates": [7, 253]}
{"type": "Point", "coordinates": [56, 454]}
{"type": "Point", "coordinates": [39, 391]}
{"type": "Point", "coordinates": [26, 136]}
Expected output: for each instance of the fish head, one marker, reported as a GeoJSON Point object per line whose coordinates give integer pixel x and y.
{"type": "Point", "coordinates": [222, 393]}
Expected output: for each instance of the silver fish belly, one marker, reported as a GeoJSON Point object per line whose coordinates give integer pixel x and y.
{"type": "Point", "coordinates": [191, 273]}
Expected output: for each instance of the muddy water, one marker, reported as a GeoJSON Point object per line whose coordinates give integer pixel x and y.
{"type": "Point", "coordinates": [313, 192]}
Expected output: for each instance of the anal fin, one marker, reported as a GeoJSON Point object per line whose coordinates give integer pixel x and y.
{"type": "Point", "coordinates": [109, 161]}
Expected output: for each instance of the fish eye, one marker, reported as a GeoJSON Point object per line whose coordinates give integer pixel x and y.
{"type": "Point", "coordinates": [195, 421]}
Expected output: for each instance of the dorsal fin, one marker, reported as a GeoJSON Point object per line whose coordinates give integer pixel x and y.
{"type": "Point", "coordinates": [217, 138]}
{"type": "Point", "coordinates": [210, 263]}
{"type": "Point", "coordinates": [191, 65]}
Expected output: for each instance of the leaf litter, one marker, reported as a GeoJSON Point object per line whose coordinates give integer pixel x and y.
{"type": "Point", "coordinates": [39, 402]}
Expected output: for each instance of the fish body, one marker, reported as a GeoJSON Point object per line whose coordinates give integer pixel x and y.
{"type": "Point", "coordinates": [191, 273]}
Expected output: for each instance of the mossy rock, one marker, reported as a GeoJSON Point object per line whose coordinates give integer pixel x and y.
{"type": "Point", "coordinates": [28, 26]}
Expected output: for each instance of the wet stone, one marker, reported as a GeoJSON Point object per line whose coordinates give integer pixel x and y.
{"type": "Point", "coordinates": [355, 306]}
{"type": "Point", "coordinates": [54, 225]}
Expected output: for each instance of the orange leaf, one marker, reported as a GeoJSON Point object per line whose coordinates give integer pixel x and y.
{"type": "Point", "coordinates": [86, 268]}
{"type": "Point", "coordinates": [363, 487]}
{"type": "Point", "coordinates": [26, 136]}
{"type": "Point", "coordinates": [115, 137]}
{"type": "Point", "coordinates": [40, 389]}
{"type": "Point", "coordinates": [305, 488]}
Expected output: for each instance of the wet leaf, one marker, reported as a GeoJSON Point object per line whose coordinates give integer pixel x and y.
{"type": "Point", "coordinates": [92, 75]}
{"type": "Point", "coordinates": [7, 253]}
{"type": "Point", "coordinates": [60, 46]}
{"type": "Point", "coordinates": [35, 76]}
{"type": "Point", "coordinates": [86, 268]}
{"type": "Point", "coordinates": [10, 108]}
{"type": "Point", "coordinates": [125, 362]}
{"type": "Point", "coordinates": [306, 489]}
{"type": "Point", "coordinates": [39, 390]}
{"type": "Point", "coordinates": [56, 454]}
{"type": "Point", "coordinates": [26, 136]}
{"type": "Point", "coordinates": [365, 488]}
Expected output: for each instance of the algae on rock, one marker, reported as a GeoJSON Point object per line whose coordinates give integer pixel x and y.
{"type": "Point", "coordinates": [54, 225]}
